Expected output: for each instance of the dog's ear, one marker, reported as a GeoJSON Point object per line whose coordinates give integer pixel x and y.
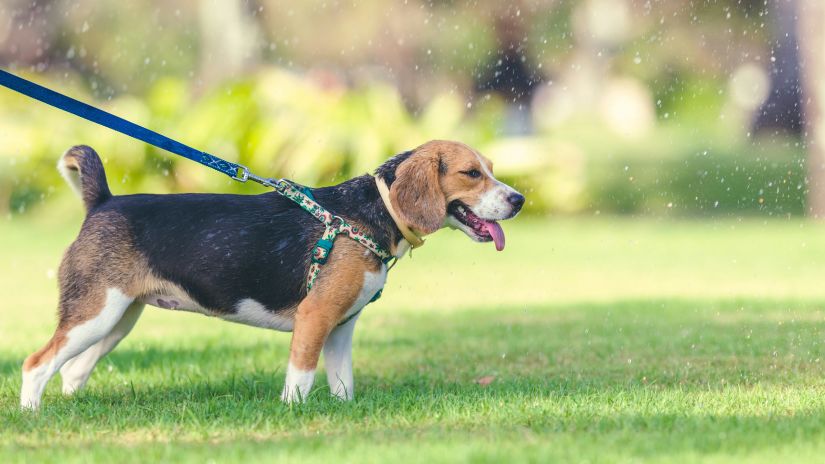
{"type": "Point", "coordinates": [416, 193]}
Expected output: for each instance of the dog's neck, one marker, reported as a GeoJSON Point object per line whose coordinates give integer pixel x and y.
{"type": "Point", "coordinates": [411, 237]}
{"type": "Point", "coordinates": [358, 200]}
{"type": "Point", "coordinates": [386, 172]}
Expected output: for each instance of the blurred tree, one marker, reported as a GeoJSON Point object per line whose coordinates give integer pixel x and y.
{"type": "Point", "coordinates": [509, 72]}
{"type": "Point", "coordinates": [230, 39]}
{"type": "Point", "coordinates": [323, 89]}
{"type": "Point", "coordinates": [783, 108]}
{"type": "Point", "coordinates": [27, 30]}
{"type": "Point", "coordinates": [811, 15]}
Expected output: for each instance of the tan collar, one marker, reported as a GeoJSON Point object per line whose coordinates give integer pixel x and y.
{"type": "Point", "coordinates": [414, 240]}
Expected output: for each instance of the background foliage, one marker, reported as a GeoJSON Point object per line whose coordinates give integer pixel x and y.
{"type": "Point", "coordinates": [636, 107]}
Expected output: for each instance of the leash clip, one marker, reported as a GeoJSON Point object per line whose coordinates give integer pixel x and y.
{"type": "Point", "coordinates": [241, 173]}
{"type": "Point", "coordinates": [279, 185]}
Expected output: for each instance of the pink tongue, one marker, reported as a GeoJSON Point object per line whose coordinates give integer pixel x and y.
{"type": "Point", "coordinates": [496, 232]}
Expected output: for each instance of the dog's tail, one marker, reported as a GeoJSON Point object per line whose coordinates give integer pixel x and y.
{"type": "Point", "coordinates": [83, 170]}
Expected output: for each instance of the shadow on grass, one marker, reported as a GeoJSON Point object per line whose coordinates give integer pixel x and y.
{"type": "Point", "coordinates": [416, 364]}
{"type": "Point", "coordinates": [641, 371]}
{"type": "Point", "coordinates": [664, 342]}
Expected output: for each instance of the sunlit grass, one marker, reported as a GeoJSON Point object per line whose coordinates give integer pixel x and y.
{"type": "Point", "coordinates": [608, 340]}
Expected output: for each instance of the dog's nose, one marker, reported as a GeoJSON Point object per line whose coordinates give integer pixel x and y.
{"type": "Point", "coordinates": [517, 200]}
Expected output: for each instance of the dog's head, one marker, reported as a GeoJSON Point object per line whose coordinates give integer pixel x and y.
{"type": "Point", "coordinates": [445, 183]}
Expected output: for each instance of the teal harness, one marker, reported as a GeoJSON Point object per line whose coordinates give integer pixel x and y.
{"type": "Point", "coordinates": [333, 227]}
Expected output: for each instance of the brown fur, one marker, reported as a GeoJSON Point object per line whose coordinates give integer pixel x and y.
{"type": "Point", "coordinates": [432, 177]}
{"type": "Point", "coordinates": [103, 256]}
{"type": "Point", "coordinates": [417, 193]}
{"type": "Point", "coordinates": [83, 160]}
{"type": "Point", "coordinates": [335, 291]}
{"type": "Point", "coordinates": [49, 351]}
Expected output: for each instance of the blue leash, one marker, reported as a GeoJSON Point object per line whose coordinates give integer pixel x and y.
{"type": "Point", "coordinates": [236, 171]}
{"type": "Point", "coordinates": [50, 97]}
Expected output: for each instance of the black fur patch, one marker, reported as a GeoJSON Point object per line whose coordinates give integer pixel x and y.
{"type": "Point", "coordinates": [225, 248]}
{"type": "Point", "coordinates": [387, 170]}
{"type": "Point", "coordinates": [442, 166]}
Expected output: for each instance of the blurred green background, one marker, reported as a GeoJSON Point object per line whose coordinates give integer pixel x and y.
{"type": "Point", "coordinates": [591, 107]}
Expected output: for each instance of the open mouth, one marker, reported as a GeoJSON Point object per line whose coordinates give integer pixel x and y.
{"type": "Point", "coordinates": [483, 229]}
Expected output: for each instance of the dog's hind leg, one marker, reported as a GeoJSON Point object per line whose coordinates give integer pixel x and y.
{"type": "Point", "coordinates": [91, 317]}
{"type": "Point", "coordinates": [77, 370]}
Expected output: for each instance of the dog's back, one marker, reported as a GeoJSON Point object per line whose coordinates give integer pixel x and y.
{"type": "Point", "coordinates": [209, 244]}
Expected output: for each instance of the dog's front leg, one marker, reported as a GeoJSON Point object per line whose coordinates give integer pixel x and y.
{"type": "Point", "coordinates": [338, 360]}
{"type": "Point", "coordinates": [338, 291]}
{"type": "Point", "coordinates": [312, 325]}
{"type": "Point", "coordinates": [315, 318]}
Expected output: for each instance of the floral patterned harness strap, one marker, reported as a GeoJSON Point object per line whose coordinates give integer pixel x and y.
{"type": "Point", "coordinates": [334, 226]}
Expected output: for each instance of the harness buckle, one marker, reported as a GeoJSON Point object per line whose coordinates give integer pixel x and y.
{"type": "Point", "coordinates": [377, 295]}
{"type": "Point", "coordinates": [321, 251]}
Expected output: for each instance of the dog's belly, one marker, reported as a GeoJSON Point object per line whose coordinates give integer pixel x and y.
{"type": "Point", "coordinates": [173, 301]}
{"type": "Point", "coordinates": [246, 311]}
{"type": "Point", "coordinates": [251, 312]}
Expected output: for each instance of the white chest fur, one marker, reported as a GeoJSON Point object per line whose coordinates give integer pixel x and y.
{"type": "Point", "coordinates": [250, 312]}
{"type": "Point", "coordinates": [373, 282]}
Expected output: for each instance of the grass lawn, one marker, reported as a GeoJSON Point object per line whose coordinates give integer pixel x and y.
{"type": "Point", "coordinates": [606, 340]}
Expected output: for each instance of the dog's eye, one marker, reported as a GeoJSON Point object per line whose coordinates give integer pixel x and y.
{"type": "Point", "coordinates": [474, 173]}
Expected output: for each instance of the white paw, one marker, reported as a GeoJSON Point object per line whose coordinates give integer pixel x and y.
{"type": "Point", "coordinates": [342, 393]}
{"type": "Point", "coordinates": [298, 384]}
{"type": "Point", "coordinates": [289, 396]}
{"type": "Point", "coordinates": [69, 388]}
{"type": "Point", "coordinates": [29, 404]}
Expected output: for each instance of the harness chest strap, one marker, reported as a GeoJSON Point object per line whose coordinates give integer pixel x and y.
{"type": "Point", "coordinates": [333, 226]}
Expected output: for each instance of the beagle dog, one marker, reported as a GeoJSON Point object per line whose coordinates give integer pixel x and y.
{"type": "Point", "coordinates": [244, 258]}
